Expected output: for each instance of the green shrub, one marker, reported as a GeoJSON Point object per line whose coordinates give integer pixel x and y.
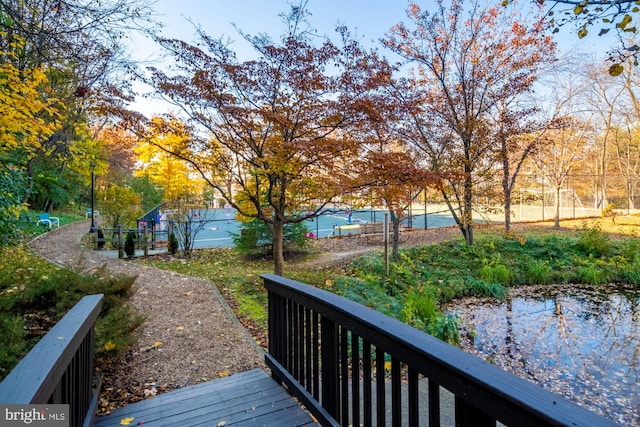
{"type": "Point", "coordinates": [33, 289]}
{"type": "Point", "coordinates": [479, 288]}
{"type": "Point", "coordinates": [494, 270]}
{"type": "Point", "coordinates": [454, 287]}
{"type": "Point", "coordinates": [173, 244]}
{"type": "Point", "coordinates": [445, 327]}
{"type": "Point", "coordinates": [592, 241]}
{"type": "Point", "coordinates": [14, 344]}
{"type": "Point", "coordinates": [369, 292]}
{"type": "Point", "coordinates": [13, 186]}
{"type": "Point", "coordinates": [130, 244]}
{"type": "Point", "coordinates": [114, 330]}
{"type": "Point", "coordinates": [255, 237]}
{"type": "Point", "coordinates": [590, 273]}
{"type": "Point", "coordinates": [419, 309]}
{"type": "Point", "coordinates": [538, 272]}
{"type": "Point", "coordinates": [499, 274]}
{"type": "Point", "coordinates": [630, 272]}
{"type": "Point", "coordinates": [630, 249]}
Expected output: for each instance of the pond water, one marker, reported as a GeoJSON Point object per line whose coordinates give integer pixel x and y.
{"type": "Point", "coordinates": [579, 342]}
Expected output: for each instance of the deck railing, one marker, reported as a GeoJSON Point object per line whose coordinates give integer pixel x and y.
{"type": "Point", "coordinates": [59, 369]}
{"type": "Point", "coordinates": [351, 365]}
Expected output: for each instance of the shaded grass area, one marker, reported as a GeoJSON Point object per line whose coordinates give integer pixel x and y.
{"type": "Point", "coordinates": [35, 294]}
{"type": "Point", "coordinates": [29, 226]}
{"type": "Point", "coordinates": [426, 277]}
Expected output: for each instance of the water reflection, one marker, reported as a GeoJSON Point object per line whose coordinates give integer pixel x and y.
{"type": "Point", "coordinates": [581, 343]}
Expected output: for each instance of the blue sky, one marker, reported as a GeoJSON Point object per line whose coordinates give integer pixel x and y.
{"type": "Point", "coordinates": [369, 19]}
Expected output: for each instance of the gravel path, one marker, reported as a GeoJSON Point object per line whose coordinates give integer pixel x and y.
{"type": "Point", "coordinates": [200, 337]}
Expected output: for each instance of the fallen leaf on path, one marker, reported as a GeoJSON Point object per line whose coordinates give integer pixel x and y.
{"type": "Point", "coordinates": [126, 421]}
{"type": "Point", "coordinates": [152, 346]}
{"type": "Point", "coordinates": [149, 393]}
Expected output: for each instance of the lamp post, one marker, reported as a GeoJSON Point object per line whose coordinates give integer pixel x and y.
{"type": "Point", "coordinates": [93, 222]}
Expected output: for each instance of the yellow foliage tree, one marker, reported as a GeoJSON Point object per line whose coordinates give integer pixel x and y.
{"type": "Point", "coordinates": [172, 173]}
{"type": "Point", "coordinates": [25, 109]}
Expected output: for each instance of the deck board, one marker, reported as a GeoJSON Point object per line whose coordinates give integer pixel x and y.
{"type": "Point", "coordinates": [250, 398]}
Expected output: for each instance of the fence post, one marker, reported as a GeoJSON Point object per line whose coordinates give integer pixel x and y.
{"type": "Point", "coordinates": [120, 244]}
{"type": "Point", "coordinates": [385, 230]}
{"type": "Point", "coordinates": [144, 240]}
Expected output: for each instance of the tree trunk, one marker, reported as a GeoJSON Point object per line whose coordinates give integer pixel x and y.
{"type": "Point", "coordinates": [467, 210]}
{"type": "Point", "coordinates": [507, 212]}
{"type": "Point", "coordinates": [395, 240]}
{"type": "Point", "coordinates": [556, 219]}
{"type": "Point", "coordinates": [506, 190]}
{"type": "Point", "coordinates": [278, 247]}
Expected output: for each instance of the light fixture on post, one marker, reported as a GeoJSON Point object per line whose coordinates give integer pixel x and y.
{"type": "Point", "coordinates": [93, 222]}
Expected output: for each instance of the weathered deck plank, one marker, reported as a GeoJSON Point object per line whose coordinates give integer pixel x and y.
{"type": "Point", "coordinates": [250, 398]}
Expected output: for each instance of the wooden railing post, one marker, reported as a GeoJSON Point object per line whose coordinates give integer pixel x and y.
{"type": "Point", "coordinates": [144, 241]}
{"type": "Point", "coordinates": [329, 363]}
{"type": "Point", "coordinates": [59, 369]}
{"type": "Point", "coordinates": [120, 242]}
{"type": "Point", "coordinates": [339, 328]}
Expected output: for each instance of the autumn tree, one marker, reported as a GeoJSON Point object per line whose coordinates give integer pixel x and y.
{"type": "Point", "coordinates": [626, 153]}
{"type": "Point", "coordinates": [119, 205]}
{"type": "Point", "coordinates": [22, 128]}
{"type": "Point", "coordinates": [394, 175]}
{"type": "Point", "coordinates": [464, 69]}
{"type": "Point", "coordinates": [117, 145]}
{"type": "Point", "coordinates": [616, 107]}
{"type": "Point", "coordinates": [78, 45]}
{"type": "Point", "coordinates": [274, 144]}
{"type": "Point", "coordinates": [605, 97]}
{"type": "Point", "coordinates": [388, 172]}
{"type": "Point", "coordinates": [154, 154]}
{"type": "Point", "coordinates": [23, 107]}
{"type": "Point", "coordinates": [515, 125]}
{"type": "Point", "coordinates": [559, 153]}
{"type": "Point", "coordinates": [515, 139]}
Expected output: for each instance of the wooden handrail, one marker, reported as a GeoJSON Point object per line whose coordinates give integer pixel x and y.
{"type": "Point", "coordinates": [350, 365]}
{"type": "Point", "coordinates": [59, 368]}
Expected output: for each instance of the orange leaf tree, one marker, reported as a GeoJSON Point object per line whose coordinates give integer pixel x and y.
{"type": "Point", "coordinates": [465, 67]}
{"type": "Point", "coordinates": [390, 173]}
{"type": "Point", "coordinates": [274, 140]}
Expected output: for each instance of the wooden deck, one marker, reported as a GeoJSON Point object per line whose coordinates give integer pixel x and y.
{"type": "Point", "coordinates": [250, 398]}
